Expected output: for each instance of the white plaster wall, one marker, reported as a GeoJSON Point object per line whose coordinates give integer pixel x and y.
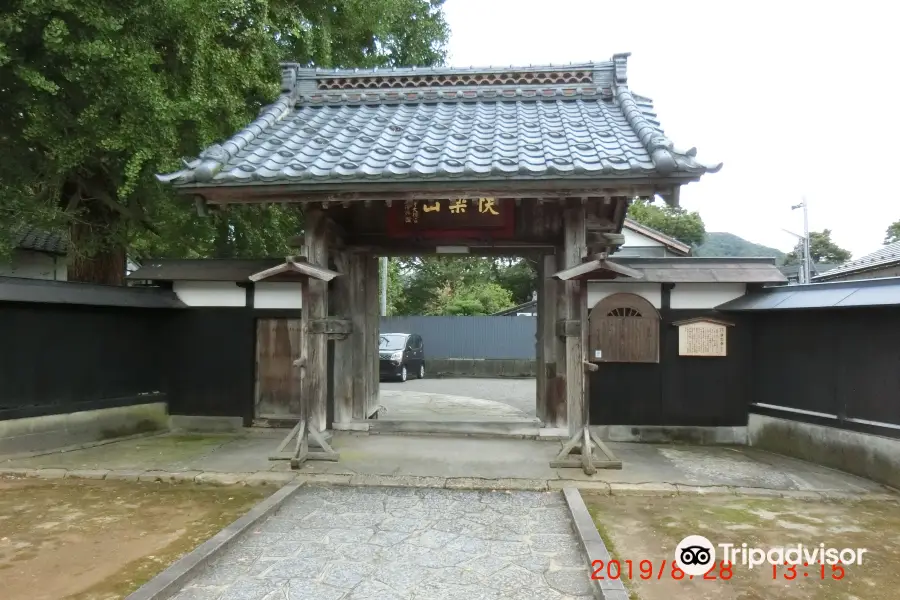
{"type": "Point", "coordinates": [35, 265]}
{"type": "Point", "coordinates": [210, 293]}
{"type": "Point", "coordinates": [633, 238]}
{"type": "Point", "coordinates": [704, 295]}
{"type": "Point", "coordinates": [598, 290]}
{"type": "Point", "coordinates": [277, 295]}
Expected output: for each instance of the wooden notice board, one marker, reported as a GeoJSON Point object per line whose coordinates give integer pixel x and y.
{"type": "Point", "coordinates": [702, 338]}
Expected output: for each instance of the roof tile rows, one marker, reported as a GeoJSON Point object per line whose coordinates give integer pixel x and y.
{"type": "Point", "coordinates": [884, 256]}
{"type": "Point", "coordinates": [484, 127]}
{"type": "Point", "coordinates": [41, 241]}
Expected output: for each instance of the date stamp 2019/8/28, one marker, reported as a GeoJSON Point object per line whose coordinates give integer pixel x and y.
{"type": "Point", "coordinates": [647, 569]}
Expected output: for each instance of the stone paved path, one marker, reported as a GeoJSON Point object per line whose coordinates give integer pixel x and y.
{"type": "Point", "coordinates": [407, 404]}
{"type": "Point", "coordinates": [403, 544]}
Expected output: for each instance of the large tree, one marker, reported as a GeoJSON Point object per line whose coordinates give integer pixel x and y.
{"type": "Point", "coordinates": [98, 95]}
{"type": "Point", "coordinates": [821, 250]}
{"type": "Point", "coordinates": [673, 221]}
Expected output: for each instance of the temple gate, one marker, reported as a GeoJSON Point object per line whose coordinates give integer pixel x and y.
{"type": "Point", "coordinates": [539, 162]}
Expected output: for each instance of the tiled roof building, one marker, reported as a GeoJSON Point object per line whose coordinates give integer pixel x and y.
{"type": "Point", "coordinates": [884, 262]}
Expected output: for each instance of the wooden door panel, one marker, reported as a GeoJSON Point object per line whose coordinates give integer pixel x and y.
{"type": "Point", "coordinates": [278, 343]}
{"type": "Point", "coordinates": [624, 328]}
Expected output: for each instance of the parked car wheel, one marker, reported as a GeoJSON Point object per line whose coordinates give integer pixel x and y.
{"type": "Point", "coordinates": [403, 373]}
{"type": "Point", "coordinates": [422, 371]}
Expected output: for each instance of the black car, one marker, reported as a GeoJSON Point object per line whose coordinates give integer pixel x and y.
{"type": "Point", "coordinates": [401, 355]}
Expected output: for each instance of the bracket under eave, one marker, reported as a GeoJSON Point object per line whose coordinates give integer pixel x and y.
{"type": "Point", "coordinates": [593, 267]}
{"type": "Point", "coordinates": [298, 266]}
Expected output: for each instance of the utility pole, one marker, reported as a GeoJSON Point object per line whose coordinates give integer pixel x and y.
{"type": "Point", "coordinates": [807, 263]}
{"type": "Point", "coordinates": [384, 281]}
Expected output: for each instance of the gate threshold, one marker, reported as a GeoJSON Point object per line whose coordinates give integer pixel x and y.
{"type": "Point", "coordinates": [529, 428]}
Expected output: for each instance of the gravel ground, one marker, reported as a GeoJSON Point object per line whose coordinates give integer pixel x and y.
{"type": "Point", "coordinates": [518, 393]}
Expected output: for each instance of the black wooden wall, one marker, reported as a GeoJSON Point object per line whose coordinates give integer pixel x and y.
{"type": "Point", "coordinates": [679, 390]}
{"type": "Point", "coordinates": [846, 362]}
{"type": "Point", "coordinates": [58, 358]}
{"type": "Point", "coordinates": [63, 358]}
{"type": "Point", "coordinates": [843, 362]}
{"type": "Point", "coordinates": [211, 360]}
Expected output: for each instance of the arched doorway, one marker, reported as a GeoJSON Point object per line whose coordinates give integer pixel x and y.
{"type": "Point", "coordinates": [624, 328]}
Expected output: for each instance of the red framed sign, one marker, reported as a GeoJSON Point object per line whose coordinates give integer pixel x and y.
{"type": "Point", "coordinates": [477, 218]}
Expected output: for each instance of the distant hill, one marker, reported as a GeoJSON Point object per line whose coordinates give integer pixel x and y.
{"type": "Point", "coordinates": [719, 243]}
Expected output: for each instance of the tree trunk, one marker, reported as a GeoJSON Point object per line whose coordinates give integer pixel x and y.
{"type": "Point", "coordinates": [96, 254]}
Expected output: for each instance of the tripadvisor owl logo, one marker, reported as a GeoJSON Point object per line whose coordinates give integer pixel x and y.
{"type": "Point", "coordinates": [695, 555]}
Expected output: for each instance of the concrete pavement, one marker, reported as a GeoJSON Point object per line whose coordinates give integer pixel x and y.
{"type": "Point", "coordinates": [427, 406]}
{"type": "Point", "coordinates": [520, 394]}
{"type": "Point", "coordinates": [446, 462]}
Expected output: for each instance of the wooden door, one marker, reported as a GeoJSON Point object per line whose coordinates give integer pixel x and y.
{"type": "Point", "coordinates": [624, 328]}
{"type": "Point", "coordinates": [278, 343]}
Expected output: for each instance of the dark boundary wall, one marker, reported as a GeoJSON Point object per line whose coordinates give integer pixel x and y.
{"type": "Point", "coordinates": [679, 391]}
{"type": "Point", "coordinates": [211, 360]}
{"type": "Point", "coordinates": [63, 358]}
{"type": "Point", "coordinates": [843, 365]}
{"type": "Point", "coordinates": [68, 347]}
{"type": "Point", "coordinates": [826, 388]}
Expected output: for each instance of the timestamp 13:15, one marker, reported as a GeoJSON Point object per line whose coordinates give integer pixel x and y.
{"type": "Point", "coordinates": [822, 571]}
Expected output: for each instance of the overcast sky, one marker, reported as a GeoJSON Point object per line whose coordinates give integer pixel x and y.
{"type": "Point", "coordinates": [795, 97]}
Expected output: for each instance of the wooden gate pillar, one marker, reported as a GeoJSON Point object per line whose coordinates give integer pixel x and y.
{"type": "Point", "coordinates": [573, 309]}
{"type": "Point", "coordinates": [372, 311]}
{"type": "Point", "coordinates": [356, 381]}
{"type": "Point", "coordinates": [346, 351]}
{"type": "Point", "coordinates": [550, 393]}
{"type": "Point", "coordinates": [572, 327]}
{"type": "Point", "coordinates": [315, 307]}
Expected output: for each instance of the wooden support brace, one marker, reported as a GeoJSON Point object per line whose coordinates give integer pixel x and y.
{"type": "Point", "coordinates": [301, 453]}
{"type": "Point", "coordinates": [302, 432]}
{"type": "Point", "coordinates": [584, 441]}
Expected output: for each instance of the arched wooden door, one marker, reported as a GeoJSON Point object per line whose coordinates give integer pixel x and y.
{"type": "Point", "coordinates": [624, 328]}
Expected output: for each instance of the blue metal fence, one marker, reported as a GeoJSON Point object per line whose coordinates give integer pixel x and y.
{"type": "Point", "coordinates": [470, 337]}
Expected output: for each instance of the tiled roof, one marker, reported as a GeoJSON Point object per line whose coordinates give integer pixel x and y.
{"type": "Point", "coordinates": [575, 121]}
{"type": "Point", "coordinates": [40, 241]}
{"type": "Point", "coordinates": [202, 269]}
{"type": "Point", "coordinates": [692, 269]}
{"type": "Point", "coordinates": [668, 241]}
{"type": "Point", "coordinates": [831, 294]}
{"type": "Point", "coordinates": [883, 257]}
{"type": "Point", "coordinates": [14, 289]}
